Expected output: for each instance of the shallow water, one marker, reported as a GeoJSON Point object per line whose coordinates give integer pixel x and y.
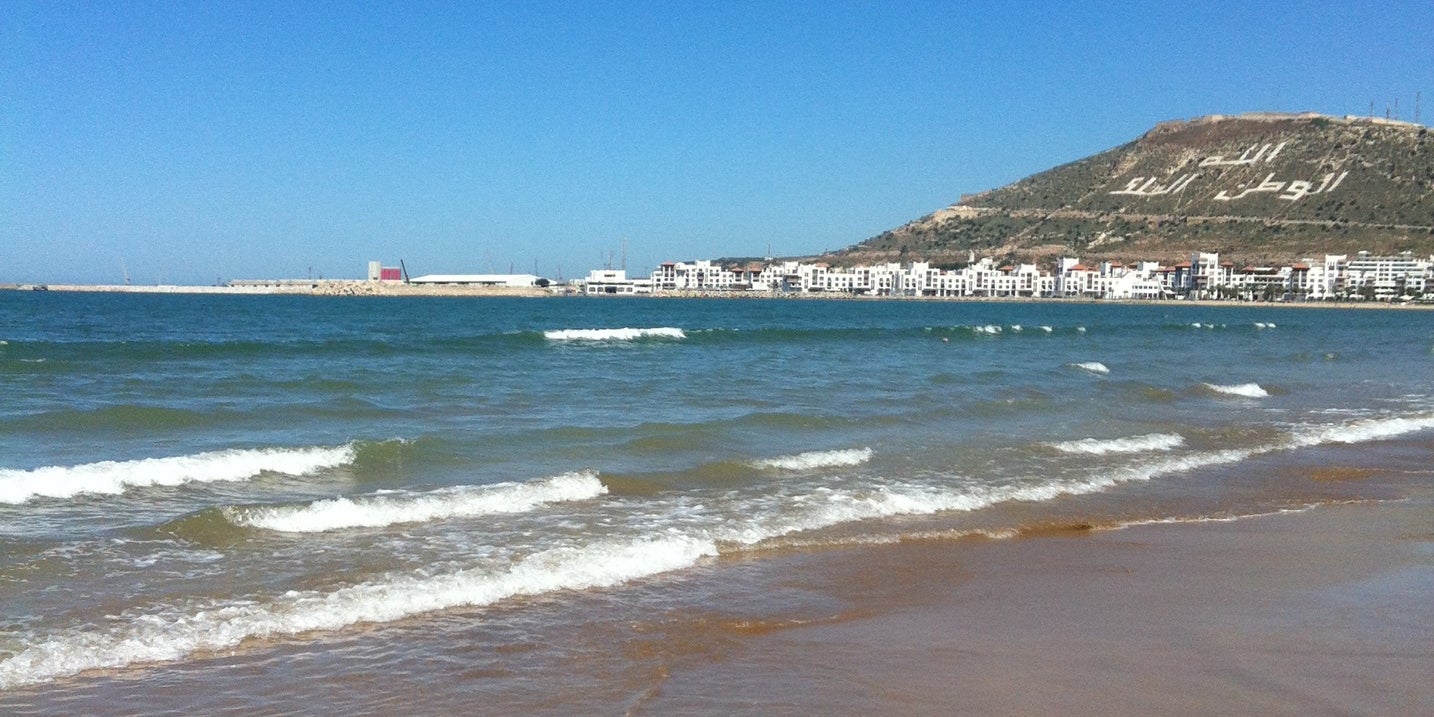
{"type": "Point", "coordinates": [259, 504]}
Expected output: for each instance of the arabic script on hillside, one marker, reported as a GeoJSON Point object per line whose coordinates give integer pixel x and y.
{"type": "Point", "coordinates": [1290, 191]}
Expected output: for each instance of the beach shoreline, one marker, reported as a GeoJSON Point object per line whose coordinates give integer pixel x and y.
{"type": "Point", "coordinates": [1321, 611]}
{"type": "Point", "coordinates": [359, 288]}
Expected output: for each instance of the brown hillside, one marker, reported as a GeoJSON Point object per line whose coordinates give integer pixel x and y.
{"type": "Point", "coordinates": [1266, 188]}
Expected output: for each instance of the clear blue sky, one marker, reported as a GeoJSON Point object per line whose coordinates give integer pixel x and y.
{"type": "Point", "coordinates": [193, 141]}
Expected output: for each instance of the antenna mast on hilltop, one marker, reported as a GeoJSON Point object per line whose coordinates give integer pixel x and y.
{"type": "Point", "coordinates": [1417, 96]}
{"type": "Point", "coordinates": [624, 254]}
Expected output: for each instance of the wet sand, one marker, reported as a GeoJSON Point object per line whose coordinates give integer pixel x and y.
{"type": "Point", "coordinates": [1322, 612]}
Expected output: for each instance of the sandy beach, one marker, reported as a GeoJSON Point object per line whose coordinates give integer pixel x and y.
{"type": "Point", "coordinates": [228, 506]}
{"type": "Point", "coordinates": [1322, 612]}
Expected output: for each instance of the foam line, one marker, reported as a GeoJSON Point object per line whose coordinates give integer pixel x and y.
{"type": "Point", "coordinates": [613, 334]}
{"type": "Point", "coordinates": [816, 459]}
{"type": "Point", "coordinates": [178, 633]}
{"type": "Point", "coordinates": [1134, 444]}
{"type": "Point", "coordinates": [417, 507]}
{"type": "Point", "coordinates": [114, 477]}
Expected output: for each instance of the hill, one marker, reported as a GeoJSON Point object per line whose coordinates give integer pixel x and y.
{"type": "Point", "coordinates": [1263, 188]}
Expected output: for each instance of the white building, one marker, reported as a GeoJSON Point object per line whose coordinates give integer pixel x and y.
{"type": "Point", "coordinates": [1387, 278]}
{"type": "Point", "coordinates": [1204, 276]}
{"type": "Point", "coordinates": [514, 281]}
{"type": "Point", "coordinates": [614, 281]}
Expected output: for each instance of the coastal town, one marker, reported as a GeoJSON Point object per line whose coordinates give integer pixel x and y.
{"type": "Point", "coordinates": [1363, 277]}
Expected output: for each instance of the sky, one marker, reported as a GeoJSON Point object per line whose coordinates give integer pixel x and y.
{"type": "Point", "coordinates": [198, 142]}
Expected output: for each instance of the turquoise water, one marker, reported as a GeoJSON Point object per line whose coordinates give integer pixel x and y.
{"type": "Point", "coordinates": [203, 496]}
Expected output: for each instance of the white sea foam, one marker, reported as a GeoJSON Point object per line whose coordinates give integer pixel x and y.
{"type": "Point", "coordinates": [817, 459]}
{"type": "Point", "coordinates": [827, 507]}
{"type": "Point", "coordinates": [613, 334]}
{"type": "Point", "coordinates": [415, 507]}
{"type": "Point", "coordinates": [1264, 325]}
{"type": "Point", "coordinates": [1374, 429]}
{"type": "Point", "coordinates": [1134, 444]}
{"type": "Point", "coordinates": [987, 329]}
{"type": "Point", "coordinates": [112, 477]}
{"type": "Point", "coordinates": [1244, 390]}
{"type": "Point", "coordinates": [175, 634]}
{"type": "Point", "coordinates": [1047, 329]}
{"type": "Point", "coordinates": [1092, 366]}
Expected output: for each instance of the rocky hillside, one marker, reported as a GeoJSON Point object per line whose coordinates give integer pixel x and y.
{"type": "Point", "coordinates": [1260, 188]}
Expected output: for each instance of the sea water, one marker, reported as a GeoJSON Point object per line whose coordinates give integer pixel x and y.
{"type": "Point", "coordinates": [268, 504]}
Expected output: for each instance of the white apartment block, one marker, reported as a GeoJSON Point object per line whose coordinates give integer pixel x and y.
{"type": "Point", "coordinates": [1205, 276]}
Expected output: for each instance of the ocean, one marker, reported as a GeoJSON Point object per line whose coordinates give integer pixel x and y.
{"type": "Point", "coordinates": [286, 505]}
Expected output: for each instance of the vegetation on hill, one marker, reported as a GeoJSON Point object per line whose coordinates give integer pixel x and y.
{"type": "Point", "coordinates": [1263, 189]}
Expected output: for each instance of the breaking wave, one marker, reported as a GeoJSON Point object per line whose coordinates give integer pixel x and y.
{"type": "Point", "coordinates": [1244, 390]}
{"type": "Point", "coordinates": [181, 632]}
{"type": "Point", "coordinates": [827, 508]}
{"type": "Point", "coordinates": [1092, 366]}
{"type": "Point", "coordinates": [1135, 444]}
{"type": "Point", "coordinates": [1374, 429]}
{"type": "Point", "coordinates": [170, 633]}
{"type": "Point", "coordinates": [816, 459]}
{"type": "Point", "coordinates": [411, 507]}
{"type": "Point", "coordinates": [613, 334]}
{"type": "Point", "coordinates": [114, 477]}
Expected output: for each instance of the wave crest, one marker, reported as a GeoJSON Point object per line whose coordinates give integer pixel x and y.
{"type": "Point", "coordinates": [1374, 429]}
{"type": "Point", "coordinates": [623, 334]}
{"type": "Point", "coordinates": [1134, 444]}
{"type": "Point", "coordinates": [1243, 390]}
{"type": "Point", "coordinates": [816, 459]}
{"type": "Point", "coordinates": [408, 507]}
{"type": "Point", "coordinates": [154, 638]}
{"type": "Point", "coordinates": [114, 477]}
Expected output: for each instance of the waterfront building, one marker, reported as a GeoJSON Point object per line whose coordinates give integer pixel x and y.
{"type": "Point", "coordinates": [511, 281]}
{"type": "Point", "coordinates": [615, 281]}
{"type": "Point", "coordinates": [1384, 278]}
{"type": "Point", "coordinates": [1387, 278]}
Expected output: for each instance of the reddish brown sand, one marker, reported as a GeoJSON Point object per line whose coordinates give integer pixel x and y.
{"type": "Point", "coordinates": [1326, 612]}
